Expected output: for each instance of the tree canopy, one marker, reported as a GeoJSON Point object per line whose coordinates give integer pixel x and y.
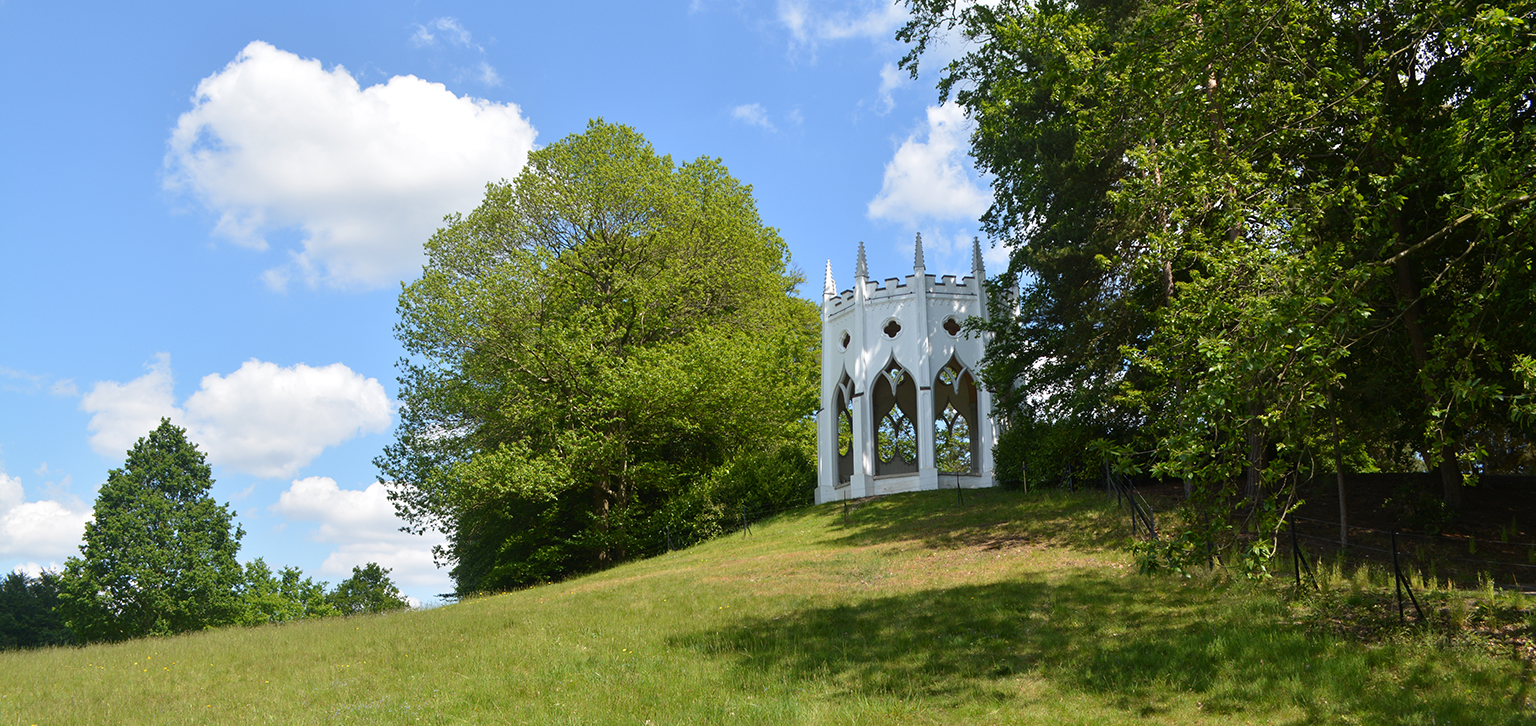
{"type": "Point", "coordinates": [1233, 222]}
{"type": "Point", "coordinates": [368, 590]}
{"type": "Point", "coordinates": [283, 596]}
{"type": "Point", "coordinates": [605, 354]}
{"type": "Point", "coordinates": [29, 616]}
{"type": "Point", "coordinates": [159, 556]}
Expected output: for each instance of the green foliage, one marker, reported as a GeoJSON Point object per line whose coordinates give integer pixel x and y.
{"type": "Point", "coordinates": [603, 336]}
{"type": "Point", "coordinates": [28, 612]}
{"type": "Point", "coordinates": [1233, 223]}
{"type": "Point", "coordinates": [281, 597]}
{"type": "Point", "coordinates": [1417, 508]}
{"type": "Point", "coordinates": [159, 557]}
{"type": "Point", "coordinates": [368, 590]}
{"type": "Point", "coordinates": [1048, 453]}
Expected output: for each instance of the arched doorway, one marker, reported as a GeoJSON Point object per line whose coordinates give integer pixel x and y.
{"type": "Point", "coordinates": [956, 445]}
{"type": "Point", "coordinates": [895, 401]}
{"type": "Point", "coordinates": [843, 433]}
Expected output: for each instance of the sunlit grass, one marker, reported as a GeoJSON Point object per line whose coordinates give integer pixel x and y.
{"type": "Point", "coordinates": [910, 609]}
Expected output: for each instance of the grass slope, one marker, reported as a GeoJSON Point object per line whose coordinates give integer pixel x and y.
{"type": "Point", "coordinates": [1012, 610]}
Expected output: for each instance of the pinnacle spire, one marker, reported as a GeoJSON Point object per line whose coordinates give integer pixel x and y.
{"type": "Point", "coordinates": [977, 268]}
{"type": "Point", "coordinates": [917, 262]}
{"type": "Point", "coordinates": [829, 288]}
{"type": "Point", "coordinates": [861, 270]}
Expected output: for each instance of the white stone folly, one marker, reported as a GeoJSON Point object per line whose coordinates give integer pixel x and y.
{"type": "Point", "coordinates": [901, 409]}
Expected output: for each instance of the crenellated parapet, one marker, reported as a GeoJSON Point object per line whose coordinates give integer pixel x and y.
{"type": "Point", "coordinates": [902, 409]}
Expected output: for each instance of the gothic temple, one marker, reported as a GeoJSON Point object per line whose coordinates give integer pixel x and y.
{"type": "Point", "coordinates": [901, 409]}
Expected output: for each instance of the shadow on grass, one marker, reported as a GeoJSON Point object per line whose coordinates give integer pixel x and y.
{"type": "Point", "coordinates": [1141, 645]}
{"type": "Point", "coordinates": [988, 518]}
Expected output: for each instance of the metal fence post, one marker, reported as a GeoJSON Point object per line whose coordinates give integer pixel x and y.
{"type": "Point", "coordinates": [1397, 578]}
{"type": "Point", "coordinates": [1295, 555]}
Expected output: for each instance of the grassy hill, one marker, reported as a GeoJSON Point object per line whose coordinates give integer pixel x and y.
{"type": "Point", "coordinates": [1015, 609]}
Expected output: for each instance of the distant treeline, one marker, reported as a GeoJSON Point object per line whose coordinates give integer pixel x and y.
{"type": "Point", "coordinates": [159, 559]}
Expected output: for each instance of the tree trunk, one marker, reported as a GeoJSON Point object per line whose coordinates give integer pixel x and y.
{"type": "Point", "coordinates": [1253, 485]}
{"type": "Point", "coordinates": [1338, 470]}
{"type": "Point", "coordinates": [1408, 293]}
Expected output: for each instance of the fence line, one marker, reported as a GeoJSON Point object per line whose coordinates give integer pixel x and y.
{"type": "Point", "coordinates": [1425, 536]}
{"type": "Point", "coordinates": [1142, 516]}
{"type": "Point", "coordinates": [1446, 558]}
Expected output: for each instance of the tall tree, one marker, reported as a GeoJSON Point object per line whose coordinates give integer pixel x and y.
{"type": "Point", "coordinates": [1221, 211]}
{"type": "Point", "coordinates": [597, 352]}
{"type": "Point", "coordinates": [159, 557]}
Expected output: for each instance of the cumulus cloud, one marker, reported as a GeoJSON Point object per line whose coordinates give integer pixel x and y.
{"type": "Point", "coordinates": [123, 412]}
{"type": "Point", "coordinates": [931, 178]}
{"type": "Point", "coordinates": [262, 419]}
{"type": "Point", "coordinates": [753, 114]}
{"type": "Point", "coordinates": [41, 531]}
{"type": "Point", "coordinates": [270, 421]}
{"type": "Point", "coordinates": [363, 526]}
{"type": "Point", "coordinates": [275, 141]}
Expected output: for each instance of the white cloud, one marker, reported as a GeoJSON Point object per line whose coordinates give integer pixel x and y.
{"type": "Point", "coordinates": [123, 412]}
{"type": "Point", "coordinates": [455, 37]}
{"type": "Point", "coordinates": [891, 78]}
{"type": "Point", "coordinates": [363, 526]}
{"type": "Point", "coordinates": [270, 421]}
{"type": "Point", "coordinates": [753, 114]}
{"type": "Point", "coordinates": [262, 419]}
{"type": "Point", "coordinates": [24, 382]}
{"type": "Point", "coordinates": [19, 381]}
{"type": "Point", "coordinates": [274, 141]}
{"type": "Point", "coordinates": [487, 75]}
{"type": "Point", "coordinates": [809, 22]}
{"type": "Point", "coordinates": [932, 179]}
{"type": "Point", "coordinates": [446, 28]}
{"type": "Point", "coordinates": [42, 531]}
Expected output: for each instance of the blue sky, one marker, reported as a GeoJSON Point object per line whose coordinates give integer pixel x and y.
{"type": "Point", "coordinates": [206, 211]}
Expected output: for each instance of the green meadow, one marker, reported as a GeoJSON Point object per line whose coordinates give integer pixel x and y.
{"type": "Point", "coordinates": [1013, 609]}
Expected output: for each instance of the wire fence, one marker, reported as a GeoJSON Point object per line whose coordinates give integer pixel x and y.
{"type": "Point", "coordinates": [1509, 566]}
{"type": "Point", "coordinates": [1143, 519]}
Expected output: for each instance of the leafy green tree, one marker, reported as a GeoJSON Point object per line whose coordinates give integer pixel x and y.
{"type": "Point", "coordinates": [1234, 222]}
{"type": "Point", "coordinates": [593, 352]}
{"type": "Point", "coordinates": [159, 556]}
{"type": "Point", "coordinates": [29, 616]}
{"type": "Point", "coordinates": [281, 597]}
{"type": "Point", "coordinates": [368, 590]}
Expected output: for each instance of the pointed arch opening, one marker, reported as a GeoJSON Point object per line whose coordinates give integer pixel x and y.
{"type": "Point", "coordinates": [955, 441]}
{"type": "Point", "coordinates": [843, 433]}
{"type": "Point", "coordinates": [895, 407]}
